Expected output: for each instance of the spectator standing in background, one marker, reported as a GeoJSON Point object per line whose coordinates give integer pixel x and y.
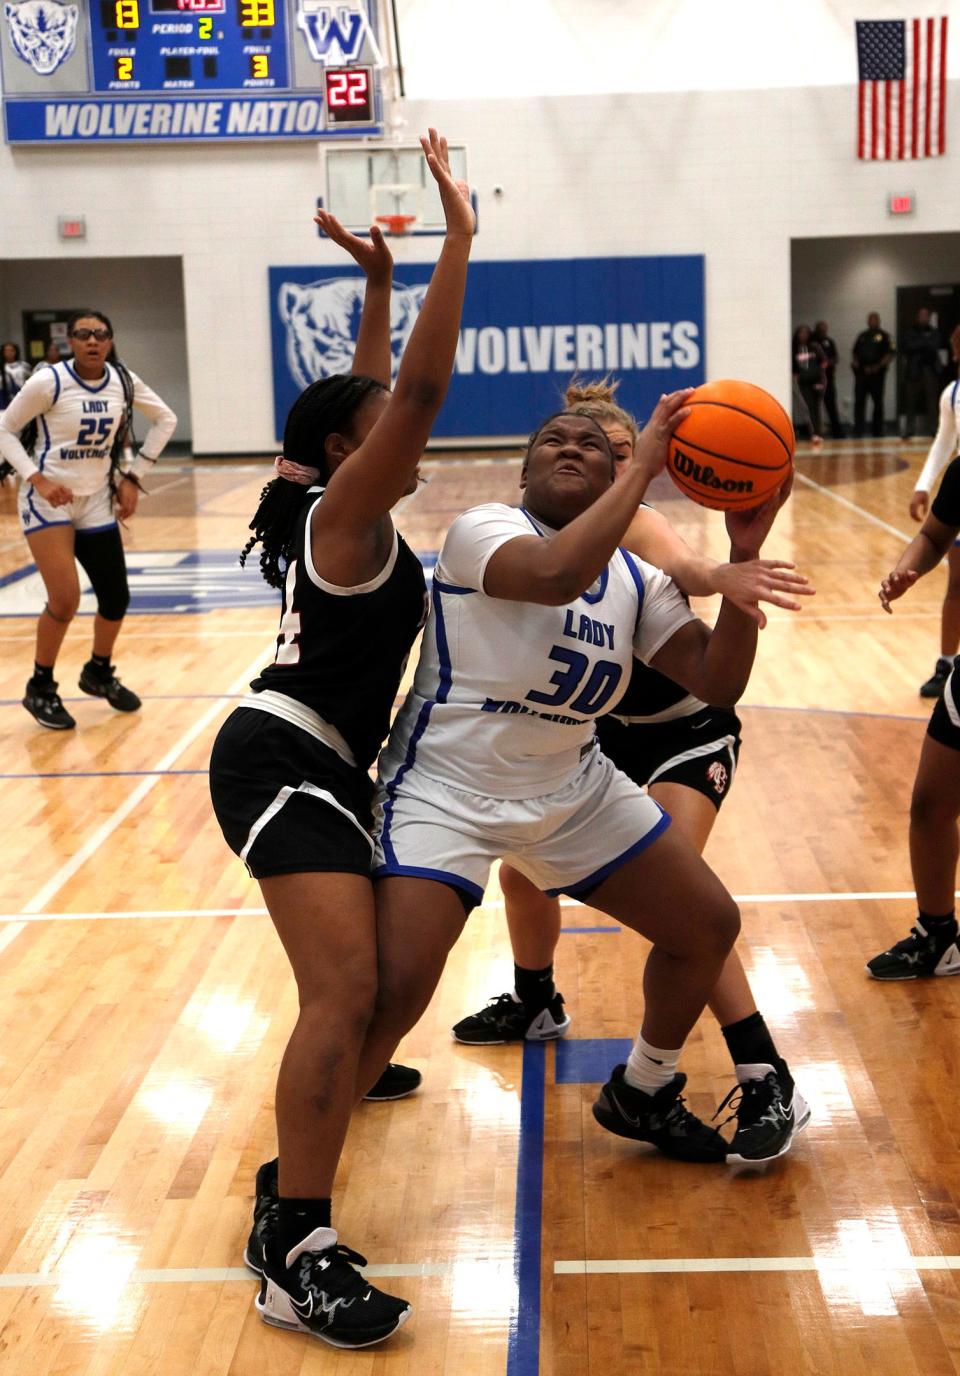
{"type": "Point", "coordinates": [828, 347]}
{"type": "Point", "coordinates": [920, 350]}
{"type": "Point", "coordinates": [872, 352]}
{"type": "Point", "coordinates": [809, 373]}
{"type": "Point", "coordinates": [13, 373]}
{"type": "Point", "coordinates": [53, 355]}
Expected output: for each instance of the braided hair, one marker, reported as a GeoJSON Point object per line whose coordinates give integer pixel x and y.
{"type": "Point", "coordinates": [326, 407]}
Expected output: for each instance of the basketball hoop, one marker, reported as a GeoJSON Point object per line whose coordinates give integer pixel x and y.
{"type": "Point", "coordinates": [396, 224]}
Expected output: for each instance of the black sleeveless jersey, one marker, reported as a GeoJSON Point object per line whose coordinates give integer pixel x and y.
{"type": "Point", "coordinates": [650, 692]}
{"type": "Point", "coordinates": [341, 653]}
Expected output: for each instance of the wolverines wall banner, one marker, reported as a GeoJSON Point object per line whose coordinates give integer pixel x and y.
{"type": "Point", "coordinates": [526, 328]}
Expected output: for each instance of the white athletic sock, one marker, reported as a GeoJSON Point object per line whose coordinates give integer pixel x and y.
{"type": "Point", "coordinates": [650, 1067]}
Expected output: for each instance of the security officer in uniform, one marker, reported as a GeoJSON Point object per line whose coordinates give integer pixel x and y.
{"type": "Point", "coordinates": [920, 351]}
{"type": "Point", "coordinates": [872, 352]}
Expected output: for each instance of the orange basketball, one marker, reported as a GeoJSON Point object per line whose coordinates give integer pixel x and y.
{"type": "Point", "coordinates": [734, 449]}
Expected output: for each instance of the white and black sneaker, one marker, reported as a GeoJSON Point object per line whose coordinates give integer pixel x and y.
{"type": "Point", "coordinates": [266, 1217]}
{"type": "Point", "coordinates": [506, 1019]}
{"type": "Point", "coordinates": [43, 703]}
{"type": "Point", "coordinates": [921, 955]}
{"type": "Point", "coordinates": [769, 1112]}
{"type": "Point", "coordinates": [318, 1291]}
{"type": "Point", "coordinates": [661, 1119]}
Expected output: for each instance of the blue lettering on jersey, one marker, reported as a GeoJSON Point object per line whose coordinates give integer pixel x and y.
{"type": "Point", "coordinates": [593, 632]}
{"type": "Point", "coordinates": [599, 688]}
{"type": "Point", "coordinates": [94, 431]}
{"type": "Point", "coordinates": [515, 708]}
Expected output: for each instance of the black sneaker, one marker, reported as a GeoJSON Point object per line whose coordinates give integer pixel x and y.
{"type": "Point", "coordinates": [918, 956]}
{"type": "Point", "coordinates": [769, 1113]}
{"type": "Point", "coordinates": [266, 1214]}
{"type": "Point", "coordinates": [106, 685]}
{"type": "Point", "coordinates": [43, 703]}
{"type": "Point", "coordinates": [317, 1291]}
{"type": "Point", "coordinates": [934, 684]}
{"type": "Point", "coordinates": [396, 1082]}
{"type": "Point", "coordinates": [506, 1019]}
{"type": "Point", "coordinates": [658, 1118]}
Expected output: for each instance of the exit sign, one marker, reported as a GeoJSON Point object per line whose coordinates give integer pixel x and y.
{"type": "Point", "coordinates": [904, 204]}
{"type": "Point", "coordinates": [71, 227]}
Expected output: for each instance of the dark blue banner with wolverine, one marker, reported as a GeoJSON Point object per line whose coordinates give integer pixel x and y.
{"type": "Point", "coordinates": [527, 327]}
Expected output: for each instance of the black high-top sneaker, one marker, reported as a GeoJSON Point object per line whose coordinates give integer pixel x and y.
{"type": "Point", "coordinates": [266, 1215]}
{"type": "Point", "coordinates": [506, 1019]}
{"type": "Point", "coordinates": [920, 955]}
{"type": "Point", "coordinates": [659, 1118]}
{"type": "Point", "coordinates": [316, 1290]}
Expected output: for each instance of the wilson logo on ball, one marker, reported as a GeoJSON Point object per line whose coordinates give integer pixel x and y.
{"type": "Point", "coordinates": [705, 477]}
{"type": "Point", "coordinates": [733, 448]}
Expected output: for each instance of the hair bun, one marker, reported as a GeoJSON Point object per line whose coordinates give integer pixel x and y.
{"type": "Point", "coordinates": [578, 391]}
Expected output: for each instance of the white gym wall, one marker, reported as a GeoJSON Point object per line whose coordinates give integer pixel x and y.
{"type": "Point", "coordinates": [671, 165]}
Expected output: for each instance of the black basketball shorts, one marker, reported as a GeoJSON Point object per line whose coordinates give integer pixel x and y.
{"type": "Point", "coordinates": [945, 720]}
{"type": "Point", "coordinates": [699, 751]}
{"type": "Point", "coordinates": [287, 803]}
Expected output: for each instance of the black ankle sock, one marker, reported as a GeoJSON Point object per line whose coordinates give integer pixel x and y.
{"type": "Point", "coordinates": [297, 1219]}
{"type": "Point", "coordinates": [945, 925]}
{"type": "Point", "coordinates": [42, 674]}
{"type": "Point", "coordinates": [749, 1042]}
{"type": "Point", "coordinates": [101, 663]}
{"type": "Point", "coordinates": [534, 988]}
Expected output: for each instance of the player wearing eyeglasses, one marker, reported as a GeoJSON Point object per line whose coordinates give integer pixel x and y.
{"type": "Point", "coordinates": [63, 433]}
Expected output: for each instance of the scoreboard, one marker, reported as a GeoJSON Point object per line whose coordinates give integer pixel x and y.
{"type": "Point", "coordinates": [118, 71]}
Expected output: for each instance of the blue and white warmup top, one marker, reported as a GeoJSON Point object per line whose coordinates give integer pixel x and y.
{"type": "Point", "coordinates": [77, 422]}
{"type": "Point", "coordinates": [506, 693]}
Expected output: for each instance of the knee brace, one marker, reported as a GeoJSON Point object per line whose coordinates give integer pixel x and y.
{"type": "Point", "coordinates": [100, 555]}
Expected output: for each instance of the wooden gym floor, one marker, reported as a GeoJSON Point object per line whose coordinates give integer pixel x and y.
{"type": "Point", "coordinates": [144, 1002]}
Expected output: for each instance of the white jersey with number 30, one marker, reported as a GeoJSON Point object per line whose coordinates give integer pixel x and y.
{"type": "Point", "coordinates": [506, 693]}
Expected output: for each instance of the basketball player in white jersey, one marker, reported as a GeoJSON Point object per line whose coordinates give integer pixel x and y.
{"type": "Point", "coordinates": [74, 486]}
{"type": "Point", "coordinates": [942, 450]}
{"type": "Point", "coordinates": [534, 623]}
{"type": "Point", "coordinates": [685, 752]}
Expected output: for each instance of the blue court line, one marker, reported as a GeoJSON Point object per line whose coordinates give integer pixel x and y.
{"type": "Point", "coordinates": [523, 1351]}
{"type": "Point", "coordinates": [570, 931]}
{"type": "Point", "coordinates": [105, 774]}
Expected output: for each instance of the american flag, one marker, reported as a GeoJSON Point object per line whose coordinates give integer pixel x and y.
{"type": "Point", "coordinates": [902, 94]}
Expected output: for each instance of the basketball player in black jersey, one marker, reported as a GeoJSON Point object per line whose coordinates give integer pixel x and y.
{"type": "Point", "coordinates": [289, 768]}
{"type": "Point", "coordinates": [932, 947]}
{"type": "Point", "coordinates": [685, 752]}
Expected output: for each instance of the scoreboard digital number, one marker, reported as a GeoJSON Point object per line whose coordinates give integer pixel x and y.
{"type": "Point", "coordinates": [161, 70]}
{"type": "Point", "coordinates": [349, 95]}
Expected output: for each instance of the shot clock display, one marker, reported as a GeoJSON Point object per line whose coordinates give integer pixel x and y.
{"type": "Point", "coordinates": [157, 70]}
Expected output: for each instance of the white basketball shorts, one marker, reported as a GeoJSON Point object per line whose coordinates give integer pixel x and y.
{"type": "Point", "coordinates": [83, 513]}
{"type": "Point", "coordinates": [567, 841]}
